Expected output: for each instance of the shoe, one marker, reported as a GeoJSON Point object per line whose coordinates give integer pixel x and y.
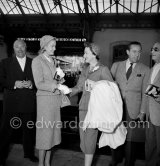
{"type": "Point", "coordinates": [32, 158]}
{"type": "Point", "coordinates": [2, 163]}
{"type": "Point", "coordinates": [112, 164]}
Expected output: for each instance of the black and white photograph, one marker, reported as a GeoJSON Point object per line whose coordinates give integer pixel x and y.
{"type": "Point", "coordinates": [79, 82]}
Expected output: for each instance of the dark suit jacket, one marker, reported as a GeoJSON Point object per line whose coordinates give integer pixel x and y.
{"type": "Point", "coordinates": [17, 100]}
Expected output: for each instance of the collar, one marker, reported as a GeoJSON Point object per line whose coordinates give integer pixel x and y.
{"type": "Point", "coordinates": [96, 67]}
{"type": "Point", "coordinates": [21, 59]}
{"type": "Point", "coordinates": [128, 62]}
{"type": "Point", "coordinates": [48, 58]}
{"type": "Point", "coordinates": [157, 64]}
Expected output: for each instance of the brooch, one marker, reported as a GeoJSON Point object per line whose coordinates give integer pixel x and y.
{"type": "Point", "coordinates": [94, 69]}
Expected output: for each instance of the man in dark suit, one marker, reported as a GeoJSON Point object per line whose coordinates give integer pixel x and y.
{"type": "Point", "coordinates": [19, 101]}
{"type": "Point", "coordinates": [131, 77]}
{"type": "Point", "coordinates": [152, 144]}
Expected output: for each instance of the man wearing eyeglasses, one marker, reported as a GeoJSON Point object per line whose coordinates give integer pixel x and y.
{"type": "Point", "coordinates": [131, 77]}
{"type": "Point", "coordinates": [152, 146]}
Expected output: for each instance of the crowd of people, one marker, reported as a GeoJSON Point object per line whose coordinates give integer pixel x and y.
{"type": "Point", "coordinates": [34, 93]}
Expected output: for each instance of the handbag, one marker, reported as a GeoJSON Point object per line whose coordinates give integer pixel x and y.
{"type": "Point", "coordinates": [65, 101]}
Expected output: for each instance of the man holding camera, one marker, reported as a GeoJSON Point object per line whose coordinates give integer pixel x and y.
{"type": "Point", "coordinates": [152, 146]}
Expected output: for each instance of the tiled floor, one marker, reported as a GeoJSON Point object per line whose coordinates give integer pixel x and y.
{"type": "Point", "coordinates": [60, 157]}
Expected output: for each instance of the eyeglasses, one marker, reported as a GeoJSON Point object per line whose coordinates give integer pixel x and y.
{"type": "Point", "coordinates": [155, 49]}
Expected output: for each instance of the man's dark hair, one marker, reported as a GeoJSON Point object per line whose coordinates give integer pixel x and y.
{"type": "Point", "coordinates": [134, 43]}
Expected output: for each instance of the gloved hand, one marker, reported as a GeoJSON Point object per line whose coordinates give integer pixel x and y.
{"type": "Point", "coordinates": [64, 89]}
{"type": "Point", "coordinates": [60, 72]}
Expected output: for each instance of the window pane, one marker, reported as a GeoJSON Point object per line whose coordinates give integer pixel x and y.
{"type": "Point", "coordinates": [3, 8]}
{"type": "Point", "coordinates": [7, 8]}
{"type": "Point", "coordinates": [134, 6]}
{"type": "Point", "coordinates": [154, 8]}
{"type": "Point", "coordinates": [141, 6]}
{"type": "Point", "coordinates": [107, 6]}
{"type": "Point", "coordinates": [82, 5]}
{"type": "Point", "coordinates": [148, 4]}
{"type": "Point", "coordinates": [120, 9]}
{"type": "Point", "coordinates": [75, 6]}
{"type": "Point", "coordinates": [100, 5]}
{"type": "Point", "coordinates": [127, 5]}
{"type": "Point", "coordinates": [64, 6]}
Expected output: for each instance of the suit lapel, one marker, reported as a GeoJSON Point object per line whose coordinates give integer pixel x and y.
{"type": "Point", "coordinates": [157, 79]}
{"type": "Point", "coordinates": [150, 76]}
{"type": "Point", "coordinates": [16, 67]}
{"type": "Point", "coordinates": [27, 69]}
{"type": "Point", "coordinates": [123, 70]}
{"type": "Point", "coordinates": [51, 65]}
{"type": "Point", "coordinates": [26, 65]}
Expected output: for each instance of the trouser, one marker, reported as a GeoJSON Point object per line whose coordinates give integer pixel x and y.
{"type": "Point", "coordinates": [152, 145]}
{"type": "Point", "coordinates": [9, 124]}
{"type": "Point", "coordinates": [128, 150]}
{"type": "Point", "coordinates": [135, 135]}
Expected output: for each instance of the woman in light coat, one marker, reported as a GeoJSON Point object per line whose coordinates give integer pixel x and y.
{"type": "Point", "coordinates": [48, 128]}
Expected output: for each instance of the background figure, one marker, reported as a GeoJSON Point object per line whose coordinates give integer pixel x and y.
{"type": "Point", "coordinates": [90, 74]}
{"type": "Point", "coordinates": [19, 100]}
{"type": "Point", "coordinates": [152, 146]}
{"type": "Point", "coordinates": [48, 131]}
{"type": "Point", "coordinates": [131, 77]}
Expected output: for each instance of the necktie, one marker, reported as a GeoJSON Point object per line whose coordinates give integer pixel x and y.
{"type": "Point", "coordinates": [129, 71]}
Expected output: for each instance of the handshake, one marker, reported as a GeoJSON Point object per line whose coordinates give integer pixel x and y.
{"type": "Point", "coordinates": [64, 89]}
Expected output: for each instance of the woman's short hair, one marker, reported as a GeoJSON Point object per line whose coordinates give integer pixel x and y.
{"type": "Point", "coordinates": [94, 49]}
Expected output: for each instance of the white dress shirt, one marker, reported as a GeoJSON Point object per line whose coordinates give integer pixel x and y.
{"type": "Point", "coordinates": [155, 71]}
{"type": "Point", "coordinates": [128, 64]}
{"type": "Point", "coordinates": [22, 62]}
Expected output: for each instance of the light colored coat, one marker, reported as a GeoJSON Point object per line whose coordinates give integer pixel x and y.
{"type": "Point", "coordinates": [44, 73]}
{"type": "Point", "coordinates": [154, 105]}
{"type": "Point", "coordinates": [105, 114]}
{"type": "Point", "coordinates": [133, 89]}
{"type": "Point", "coordinates": [48, 131]}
